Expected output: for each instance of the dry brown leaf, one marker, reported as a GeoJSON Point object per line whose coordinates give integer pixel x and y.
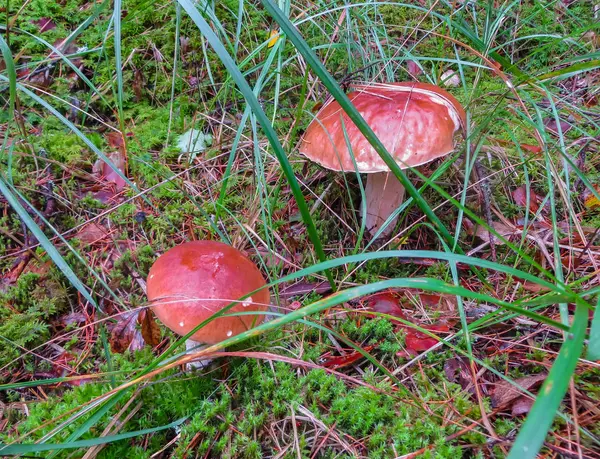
{"type": "Point", "coordinates": [505, 392]}
{"type": "Point", "coordinates": [91, 233]}
{"type": "Point", "coordinates": [124, 332]}
{"type": "Point", "coordinates": [502, 229]}
{"type": "Point", "coordinates": [522, 405]}
{"type": "Point", "coordinates": [150, 329]}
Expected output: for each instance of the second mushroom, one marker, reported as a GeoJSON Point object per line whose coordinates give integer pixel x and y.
{"type": "Point", "coordinates": [416, 122]}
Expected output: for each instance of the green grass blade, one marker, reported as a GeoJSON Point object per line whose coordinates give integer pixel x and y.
{"type": "Point", "coordinates": [45, 242]}
{"type": "Point", "coordinates": [118, 57]}
{"type": "Point", "coordinates": [593, 352]}
{"type": "Point", "coordinates": [538, 423]}
{"type": "Point", "coordinates": [16, 449]}
{"type": "Point", "coordinates": [314, 62]}
{"type": "Point", "coordinates": [251, 99]}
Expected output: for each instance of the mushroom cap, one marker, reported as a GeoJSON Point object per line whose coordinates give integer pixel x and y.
{"type": "Point", "coordinates": [415, 121]}
{"type": "Point", "coordinates": [194, 280]}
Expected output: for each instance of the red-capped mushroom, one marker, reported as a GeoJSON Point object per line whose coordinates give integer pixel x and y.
{"type": "Point", "coordinates": [192, 281]}
{"type": "Point", "coordinates": [416, 122]}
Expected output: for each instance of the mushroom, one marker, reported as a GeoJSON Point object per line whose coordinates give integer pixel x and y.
{"type": "Point", "coordinates": [192, 281]}
{"type": "Point", "coordinates": [416, 122]}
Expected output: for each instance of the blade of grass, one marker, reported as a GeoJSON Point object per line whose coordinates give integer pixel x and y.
{"type": "Point", "coordinates": [251, 99]}
{"type": "Point", "coordinates": [339, 95]}
{"type": "Point", "coordinates": [539, 421]}
{"type": "Point", "coordinates": [593, 352]}
{"type": "Point", "coordinates": [14, 450]}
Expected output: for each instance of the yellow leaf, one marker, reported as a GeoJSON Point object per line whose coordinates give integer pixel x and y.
{"type": "Point", "coordinates": [592, 201]}
{"type": "Point", "coordinates": [273, 37]}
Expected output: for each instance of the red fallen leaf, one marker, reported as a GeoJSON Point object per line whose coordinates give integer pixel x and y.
{"type": "Point", "coordinates": [520, 197]}
{"type": "Point", "coordinates": [108, 173]}
{"type": "Point", "coordinates": [416, 341]}
{"type": "Point", "coordinates": [44, 24]}
{"type": "Point", "coordinates": [413, 68]}
{"type": "Point", "coordinates": [345, 360]}
{"type": "Point", "coordinates": [124, 332]}
{"type": "Point", "coordinates": [385, 303]}
{"type": "Point", "coordinates": [150, 329]}
{"type": "Point", "coordinates": [294, 305]}
{"type": "Point", "coordinates": [531, 148]}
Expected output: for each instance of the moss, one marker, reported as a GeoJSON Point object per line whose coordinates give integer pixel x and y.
{"type": "Point", "coordinates": [26, 312]}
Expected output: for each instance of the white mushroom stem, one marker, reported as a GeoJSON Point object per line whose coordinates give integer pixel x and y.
{"type": "Point", "coordinates": [384, 194]}
{"type": "Point", "coordinates": [194, 346]}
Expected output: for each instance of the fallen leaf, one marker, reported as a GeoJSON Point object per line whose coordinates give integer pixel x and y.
{"type": "Point", "coordinates": [505, 393]}
{"type": "Point", "coordinates": [457, 371]}
{"type": "Point", "coordinates": [273, 37]}
{"type": "Point", "coordinates": [413, 68]}
{"type": "Point", "coordinates": [302, 288]}
{"type": "Point", "coordinates": [520, 197]}
{"type": "Point", "coordinates": [591, 201]}
{"type": "Point", "coordinates": [450, 79]}
{"type": "Point", "coordinates": [522, 405]}
{"type": "Point", "coordinates": [385, 303]}
{"type": "Point", "coordinates": [531, 148]}
{"type": "Point", "coordinates": [44, 24]}
{"type": "Point", "coordinates": [91, 233]}
{"type": "Point", "coordinates": [109, 174]}
{"type": "Point", "coordinates": [150, 329]}
{"type": "Point", "coordinates": [344, 360]}
{"type": "Point", "coordinates": [483, 234]}
{"type": "Point", "coordinates": [552, 126]}
{"type": "Point", "coordinates": [74, 318]}
{"type": "Point", "coordinates": [417, 342]}
{"type": "Point", "coordinates": [124, 332]}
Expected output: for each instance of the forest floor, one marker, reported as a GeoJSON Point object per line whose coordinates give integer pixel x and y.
{"type": "Point", "coordinates": [431, 346]}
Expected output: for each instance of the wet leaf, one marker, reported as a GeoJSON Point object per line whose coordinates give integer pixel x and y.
{"type": "Point", "coordinates": [483, 234]}
{"type": "Point", "coordinates": [150, 329]}
{"type": "Point", "coordinates": [505, 393]}
{"type": "Point", "coordinates": [417, 342]}
{"type": "Point", "coordinates": [531, 148]}
{"type": "Point", "coordinates": [521, 406]}
{"type": "Point", "coordinates": [520, 197]}
{"type": "Point", "coordinates": [44, 24]}
{"type": "Point", "coordinates": [107, 173]}
{"type": "Point", "coordinates": [124, 332]}
{"type": "Point", "coordinates": [385, 303]}
{"type": "Point", "coordinates": [345, 360]}
{"type": "Point", "coordinates": [76, 318]}
{"type": "Point", "coordinates": [413, 68]}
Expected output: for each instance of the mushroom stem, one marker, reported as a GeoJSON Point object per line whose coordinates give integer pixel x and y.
{"type": "Point", "coordinates": [194, 346]}
{"type": "Point", "coordinates": [384, 194]}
